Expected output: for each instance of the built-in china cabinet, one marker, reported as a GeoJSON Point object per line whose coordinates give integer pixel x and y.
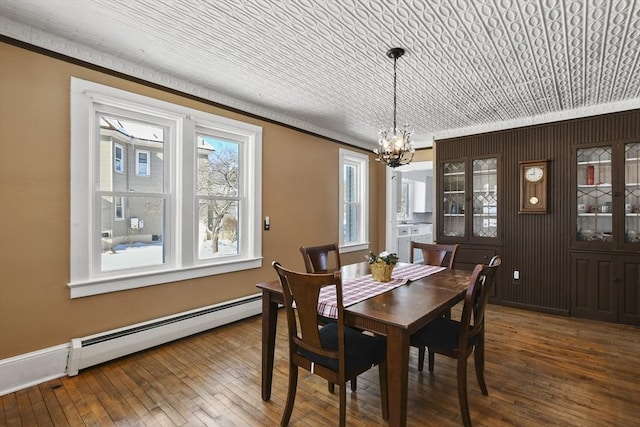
{"type": "Point", "coordinates": [469, 205]}
{"type": "Point", "coordinates": [605, 258]}
{"type": "Point", "coordinates": [580, 255]}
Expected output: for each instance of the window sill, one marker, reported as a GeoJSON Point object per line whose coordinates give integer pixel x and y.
{"type": "Point", "coordinates": [354, 247]}
{"type": "Point", "coordinates": [81, 289]}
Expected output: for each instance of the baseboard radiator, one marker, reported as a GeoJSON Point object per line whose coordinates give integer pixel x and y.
{"type": "Point", "coordinates": [94, 349]}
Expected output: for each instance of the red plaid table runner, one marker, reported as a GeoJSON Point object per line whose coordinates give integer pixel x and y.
{"type": "Point", "coordinates": [362, 288]}
{"type": "Point", "coordinates": [353, 291]}
{"type": "Point", "coordinates": [415, 271]}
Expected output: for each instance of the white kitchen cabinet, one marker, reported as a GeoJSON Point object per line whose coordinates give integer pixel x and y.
{"type": "Point", "coordinates": [403, 243]}
{"type": "Point", "coordinates": [423, 195]}
{"type": "Point", "coordinates": [419, 196]}
{"type": "Point", "coordinates": [422, 233]}
{"type": "Point", "coordinates": [403, 248]}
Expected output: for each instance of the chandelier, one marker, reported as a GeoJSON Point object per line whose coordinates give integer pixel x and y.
{"type": "Point", "coordinates": [396, 148]}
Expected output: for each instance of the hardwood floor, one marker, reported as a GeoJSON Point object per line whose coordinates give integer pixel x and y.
{"type": "Point", "coordinates": [540, 370]}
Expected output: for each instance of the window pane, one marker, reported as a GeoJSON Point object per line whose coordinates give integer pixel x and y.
{"type": "Point", "coordinates": [349, 183]}
{"type": "Point", "coordinates": [137, 241]}
{"type": "Point", "coordinates": [594, 179]}
{"type": "Point", "coordinates": [632, 192]}
{"type": "Point", "coordinates": [143, 144]}
{"type": "Point", "coordinates": [218, 167]}
{"type": "Point", "coordinates": [351, 222]}
{"type": "Point", "coordinates": [217, 228]}
{"type": "Point", "coordinates": [485, 197]}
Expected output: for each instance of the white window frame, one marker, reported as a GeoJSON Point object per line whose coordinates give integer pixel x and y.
{"type": "Point", "coordinates": [88, 101]}
{"type": "Point", "coordinates": [361, 163]}
{"type": "Point", "coordinates": [138, 163]}
{"type": "Point", "coordinates": [116, 168]}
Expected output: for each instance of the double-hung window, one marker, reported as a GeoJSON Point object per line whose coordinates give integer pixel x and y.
{"type": "Point", "coordinates": [142, 163]}
{"type": "Point", "coordinates": [119, 208]}
{"type": "Point", "coordinates": [354, 201]}
{"type": "Point", "coordinates": [188, 204]}
{"type": "Point", "coordinates": [118, 158]}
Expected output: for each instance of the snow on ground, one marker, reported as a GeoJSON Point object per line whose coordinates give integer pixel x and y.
{"type": "Point", "coordinates": [140, 254]}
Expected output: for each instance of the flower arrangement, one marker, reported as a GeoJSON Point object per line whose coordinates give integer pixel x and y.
{"type": "Point", "coordinates": [384, 256]}
{"type": "Point", "coordinates": [382, 265]}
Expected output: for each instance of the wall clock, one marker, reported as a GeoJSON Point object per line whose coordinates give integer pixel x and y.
{"type": "Point", "coordinates": [534, 180]}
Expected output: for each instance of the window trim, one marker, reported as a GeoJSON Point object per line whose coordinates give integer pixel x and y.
{"type": "Point", "coordinates": [86, 101]}
{"type": "Point", "coordinates": [361, 162]}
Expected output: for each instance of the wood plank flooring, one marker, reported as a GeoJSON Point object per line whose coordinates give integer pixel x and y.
{"type": "Point", "coordinates": [541, 370]}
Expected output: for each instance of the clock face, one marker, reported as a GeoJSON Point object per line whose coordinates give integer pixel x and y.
{"type": "Point", "coordinates": [534, 200]}
{"type": "Point", "coordinates": [533, 174]}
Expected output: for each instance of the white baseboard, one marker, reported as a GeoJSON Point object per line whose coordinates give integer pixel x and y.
{"type": "Point", "coordinates": [26, 370]}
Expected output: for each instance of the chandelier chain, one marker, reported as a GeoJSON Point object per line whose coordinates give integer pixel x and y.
{"type": "Point", "coordinates": [395, 64]}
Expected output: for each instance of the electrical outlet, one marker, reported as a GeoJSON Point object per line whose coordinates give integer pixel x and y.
{"type": "Point", "coordinates": [516, 277]}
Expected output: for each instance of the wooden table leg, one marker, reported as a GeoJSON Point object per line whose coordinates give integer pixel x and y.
{"type": "Point", "coordinates": [269, 322]}
{"type": "Point", "coordinates": [398, 375]}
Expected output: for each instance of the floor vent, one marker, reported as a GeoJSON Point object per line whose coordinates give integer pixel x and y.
{"type": "Point", "coordinates": [94, 349]}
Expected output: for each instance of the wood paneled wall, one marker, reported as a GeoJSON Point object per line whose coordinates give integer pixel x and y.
{"type": "Point", "coordinates": [539, 245]}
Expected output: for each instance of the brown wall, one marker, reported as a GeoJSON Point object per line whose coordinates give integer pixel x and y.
{"type": "Point", "coordinates": [539, 245]}
{"type": "Point", "coordinates": [300, 194]}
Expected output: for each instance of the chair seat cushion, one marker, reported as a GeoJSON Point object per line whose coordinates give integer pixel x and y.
{"type": "Point", "coordinates": [361, 351]}
{"type": "Point", "coordinates": [440, 333]}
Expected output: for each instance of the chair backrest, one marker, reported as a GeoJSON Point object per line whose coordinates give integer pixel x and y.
{"type": "Point", "coordinates": [436, 254]}
{"type": "Point", "coordinates": [475, 301]}
{"type": "Point", "coordinates": [303, 291]}
{"type": "Point", "coordinates": [321, 259]}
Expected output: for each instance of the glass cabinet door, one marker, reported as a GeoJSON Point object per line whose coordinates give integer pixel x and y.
{"type": "Point", "coordinates": [632, 192]}
{"type": "Point", "coordinates": [453, 185]}
{"type": "Point", "coordinates": [594, 194]}
{"type": "Point", "coordinates": [485, 197]}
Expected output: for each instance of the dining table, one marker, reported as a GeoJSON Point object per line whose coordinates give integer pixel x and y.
{"type": "Point", "coordinates": [395, 313]}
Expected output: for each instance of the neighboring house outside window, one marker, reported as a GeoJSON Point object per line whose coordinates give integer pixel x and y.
{"type": "Point", "coordinates": [173, 221]}
{"type": "Point", "coordinates": [354, 205]}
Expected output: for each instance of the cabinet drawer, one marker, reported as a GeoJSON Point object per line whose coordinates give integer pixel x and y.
{"type": "Point", "coordinates": [468, 257]}
{"type": "Point", "coordinates": [403, 231]}
{"type": "Point", "coordinates": [415, 230]}
{"type": "Point", "coordinates": [425, 229]}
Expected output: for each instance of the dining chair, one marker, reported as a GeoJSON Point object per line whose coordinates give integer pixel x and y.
{"type": "Point", "coordinates": [333, 351]}
{"type": "Point", "coordinates": [435, 254]}
{"type": "Point", "coordinates": [321, 259]}
{"type": "Point", "coordinates": [458, 339]}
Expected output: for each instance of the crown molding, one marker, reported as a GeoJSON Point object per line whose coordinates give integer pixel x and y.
{"type": "Point", "coordinates": [59, 45]}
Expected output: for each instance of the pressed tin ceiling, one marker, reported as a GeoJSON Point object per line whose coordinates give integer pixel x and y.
{"type": "Point", "coordinates": [321, 65]}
